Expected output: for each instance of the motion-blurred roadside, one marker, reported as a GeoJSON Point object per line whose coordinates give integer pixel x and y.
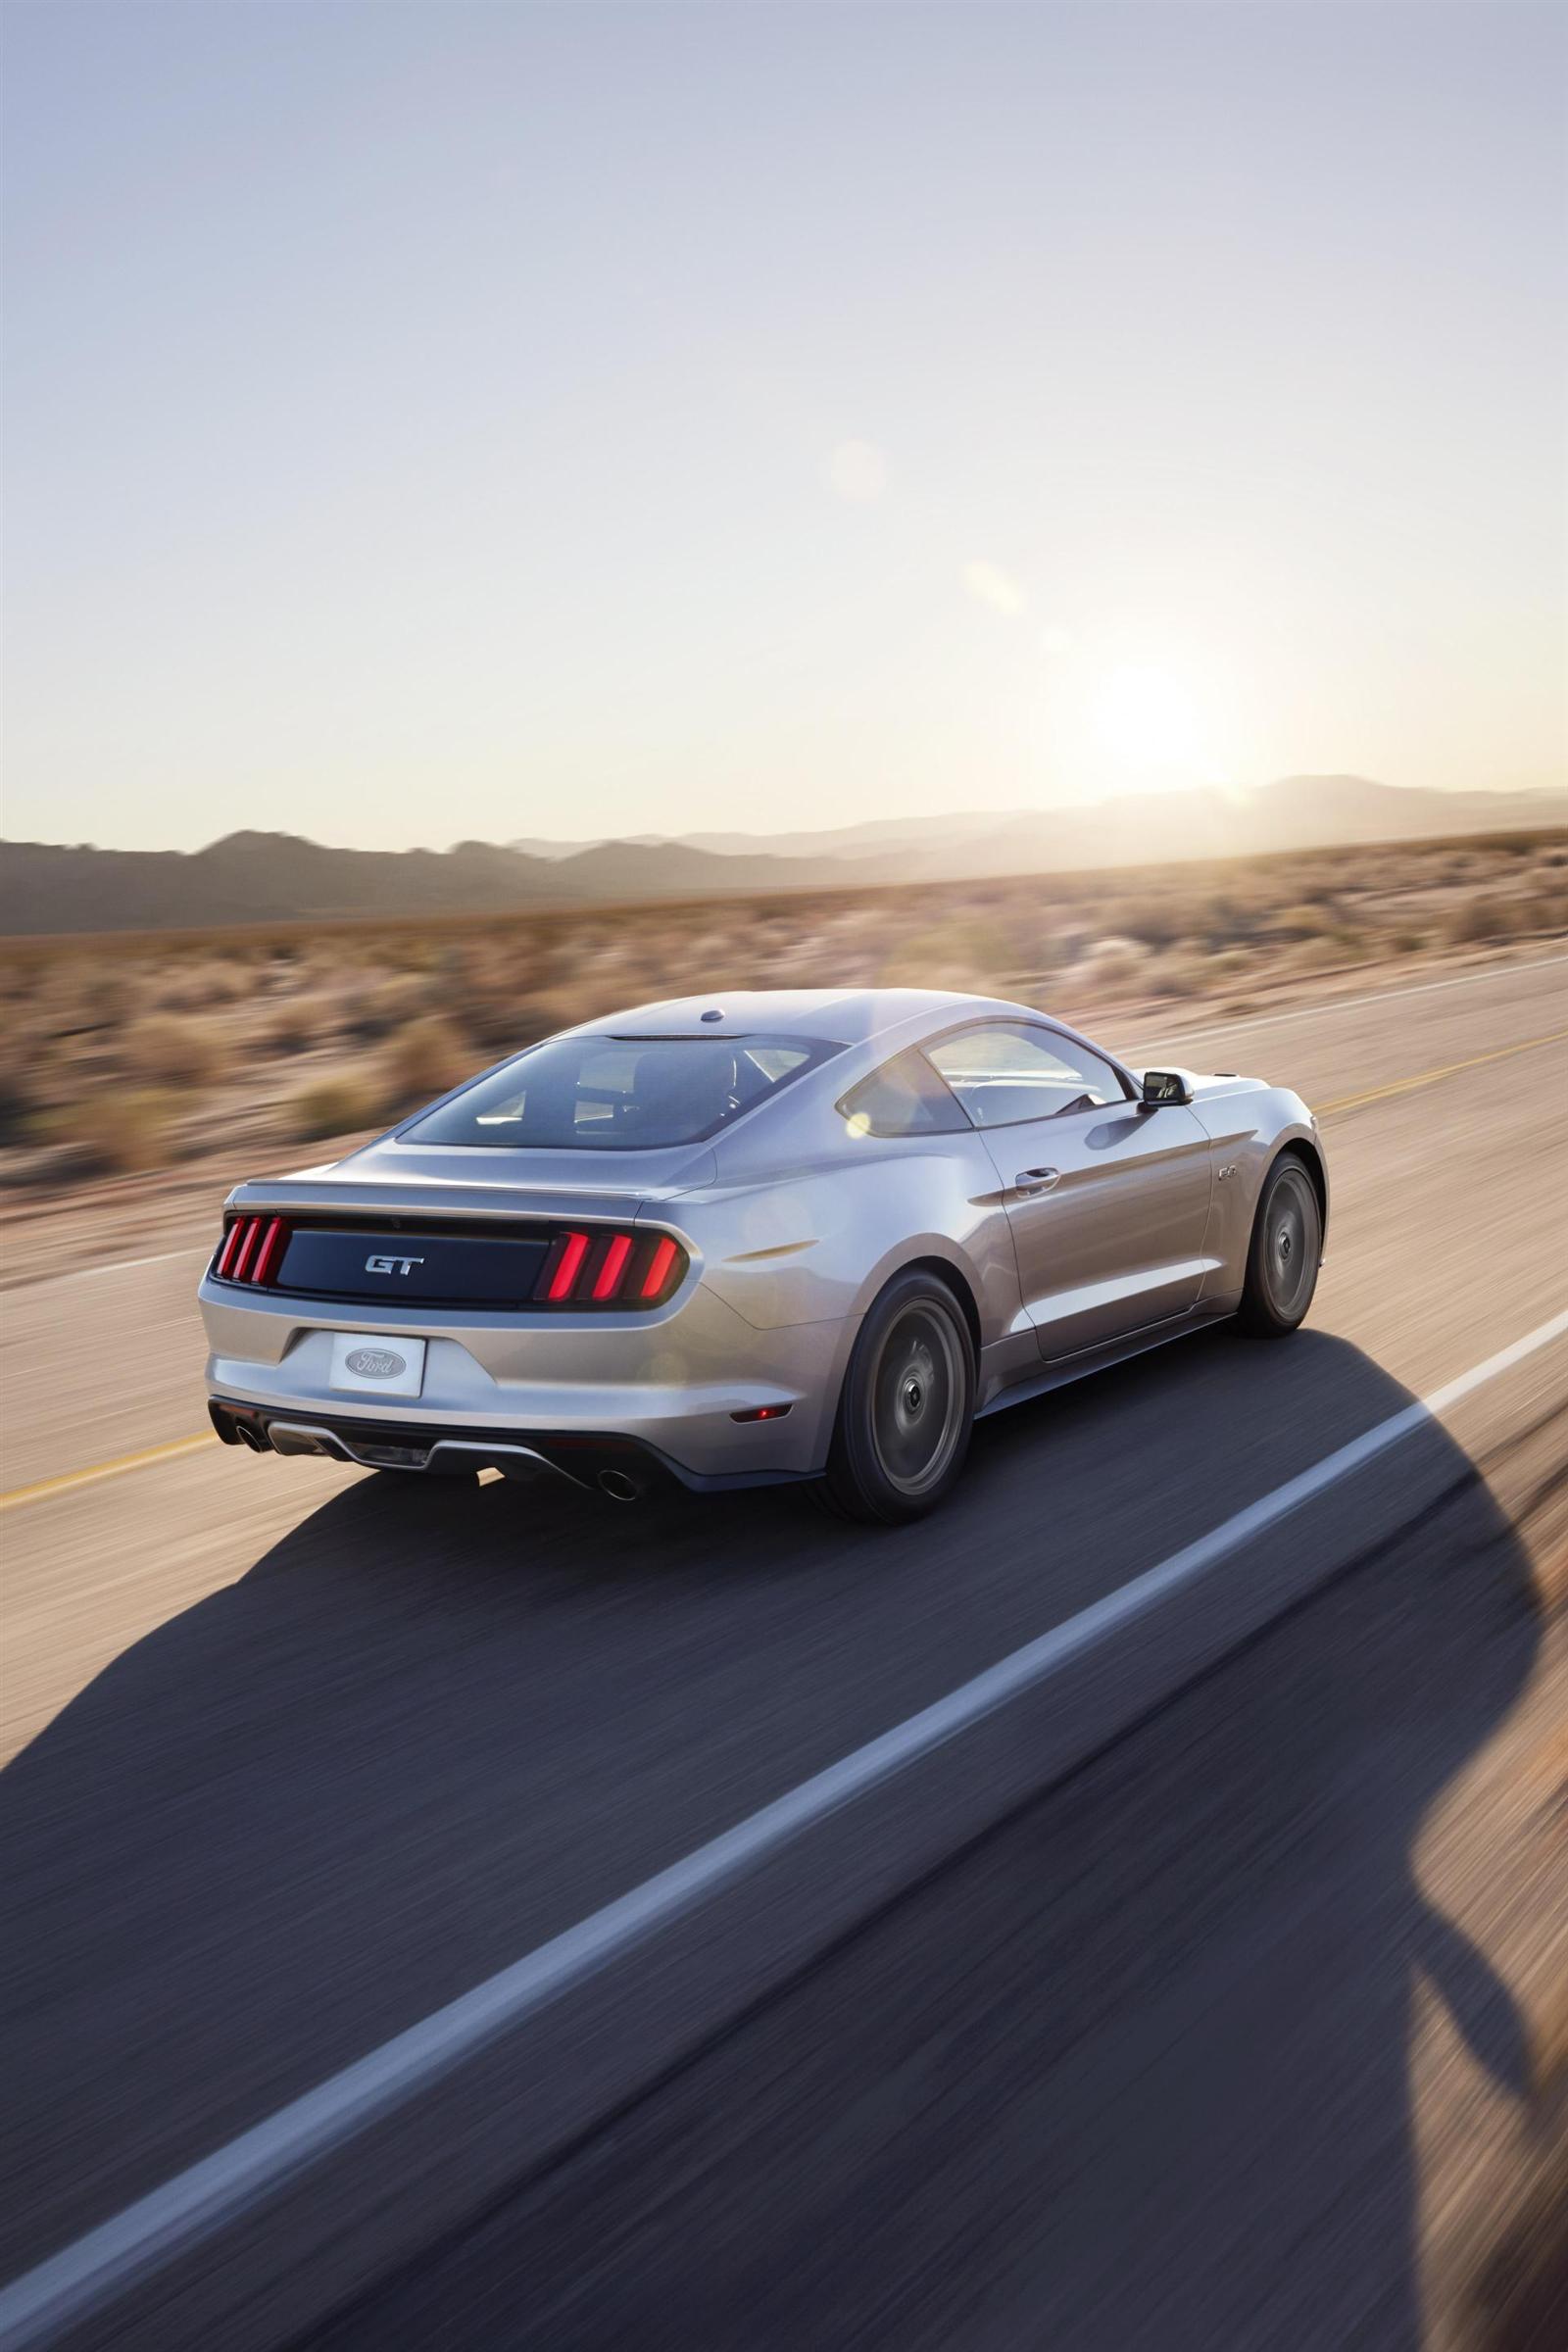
{"type": "Point", "coordinates": [134, 1065]}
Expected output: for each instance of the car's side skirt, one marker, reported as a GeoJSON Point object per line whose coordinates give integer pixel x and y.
{"type": "Point", "coordinates": [1069, 1368]}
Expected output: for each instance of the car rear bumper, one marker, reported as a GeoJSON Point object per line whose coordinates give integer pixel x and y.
{"type": "Point", "coordinates": [572, 1391]}
{"type": "Point", "coordinates": [621, 1467]}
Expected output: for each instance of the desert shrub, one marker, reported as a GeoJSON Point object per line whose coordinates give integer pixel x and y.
{"type": "Point", "coordinates": [940, 955]}
{"type": "Point", "coordinates": [336, 1106]}
{"type": "Point", "coordinates": [223, 984]}
{"type": "Point", "coordinates": [1158, 923]}
{"type": "Point", "coordinates": [385, 1007]}
{"type": "Point", "coordinates": [297, 1026]}
{"type": "Point", "coordinates": [424, 1059]}
{"type": "Point", "coordinates": [1544, 910]}
{"type": "Point", "coordinates": [171, 1049]}
{"type": "Point", "coordinates": [114, 1131]}
{"type": "Point", "coordinates": [1313, 919]}
{"type": "Point", "coordinates": [1223, 920]}
{"type": "Point", "coordinates": [491, 1020]}
{"type": "Point", "coordinates": [1181, 971]}
{"type": "Point", "coordinates": [200, 987]}
{"type": "Point", "coordinates": [541, 1015]}
{"type": "Point", "coordinates": [1479, 918]}
{"type": "Point", "coordinates": [1320, 954]}
{"type": "Point", "coordinates": [19, 1100]}
{"type": "Point", "coordinates": [1113, 962]}
{"type": "Point", "coordinates": [1407, 942]}
{"type": "Point", "coordinates": [100, 996]}
{"type": "Point", "coordinates": [501, 1012]}
{"type": "Point", "coordinates": [1123, 918]}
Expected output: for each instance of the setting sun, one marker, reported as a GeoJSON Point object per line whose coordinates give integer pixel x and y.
{"type": "Point", "coordinates": [1148, 716]}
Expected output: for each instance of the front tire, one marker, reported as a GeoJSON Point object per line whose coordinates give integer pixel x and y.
{"type": "Point", "coordinates": [1287, 1245]}
{"type": "Point", "coordinates": [907, 1405]}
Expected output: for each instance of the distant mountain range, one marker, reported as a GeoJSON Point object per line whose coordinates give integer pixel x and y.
{"type": "Point", "coordinates": [278, 877]}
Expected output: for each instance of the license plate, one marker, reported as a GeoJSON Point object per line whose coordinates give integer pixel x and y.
{"type": "Point", "coordinates": [375, 1367]}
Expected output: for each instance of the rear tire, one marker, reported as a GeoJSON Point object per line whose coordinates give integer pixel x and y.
{"type": "Point", "coordinates": [1282, 1260]}
{"type": "Point", "coordinates": [906, 1407]}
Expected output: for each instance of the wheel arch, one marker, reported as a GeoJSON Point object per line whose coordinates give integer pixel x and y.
{"type": "Point", "coordinates": [953, 1277]}
{"type": "Point", "coordinates": [1301, 1147]}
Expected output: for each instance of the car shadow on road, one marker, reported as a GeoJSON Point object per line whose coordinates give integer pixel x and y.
{"type": "Point", "coordinates": [1161, 2022]}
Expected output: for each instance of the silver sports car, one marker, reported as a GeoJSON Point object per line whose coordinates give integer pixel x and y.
{"type": "Point", "coordinates": [758, 1238]}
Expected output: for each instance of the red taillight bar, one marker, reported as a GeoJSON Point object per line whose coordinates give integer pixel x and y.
{"type": "Point", "coordinates": [247, 1250]}
{"type": "Point", "coordinates": [568, 1265]}
{"type": "Point", "coordinates": [659, 1266]}
{"type": "Point", "coordinates": [609, 1278]}
{"type": "Point", "coordinates": [272, 1250]}
{"type": "Point", "coordinates": [231, 1242]}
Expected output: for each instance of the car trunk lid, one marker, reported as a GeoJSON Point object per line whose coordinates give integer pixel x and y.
{"type": "Point", "coordinates": [406, 1184]}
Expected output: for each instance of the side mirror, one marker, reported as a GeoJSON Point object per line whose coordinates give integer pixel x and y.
{"type": "Point", "coordinates": [1164, 1086]}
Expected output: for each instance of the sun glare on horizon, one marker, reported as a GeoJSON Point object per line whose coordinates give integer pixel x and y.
{"type": "Point", "coordinates": [1148, 716]}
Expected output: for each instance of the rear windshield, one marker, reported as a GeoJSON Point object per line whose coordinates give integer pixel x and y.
{"type": "Point", "coordinates": [620, 1093]}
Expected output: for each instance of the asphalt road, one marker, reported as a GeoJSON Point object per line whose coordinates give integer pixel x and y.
{"type": "Point", "coordinates": [1191, 2050]}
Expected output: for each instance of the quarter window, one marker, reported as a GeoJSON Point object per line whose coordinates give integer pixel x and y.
{"type": "Point", "coordinates": [1004, 1073]}
{"type": "Point", "coordinates": [905, 1096]}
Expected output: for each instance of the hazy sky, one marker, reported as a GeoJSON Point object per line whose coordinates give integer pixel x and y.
{"type": "Point", "coordinates": [428, 422]}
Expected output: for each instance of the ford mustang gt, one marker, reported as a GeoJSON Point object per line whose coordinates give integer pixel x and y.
{"type": "Point", "coordinates": [737, 1239]}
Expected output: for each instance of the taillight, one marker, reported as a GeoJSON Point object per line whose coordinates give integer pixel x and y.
{"type": "Point", "coordinates": [271, 1250]}
{"type": "Point", "coordinates": [230, 1248]}
{"type": "Point", "coordinates": [655, 1279]}
{"type": "Point", "coordinates": [609, 1269]}
{"type": "Point", "coordinates": [612, 1266]}
{"type": "Point", "coordinates": [568, 1254]}
{"type": "Point", "coordinates": [252, 1251]}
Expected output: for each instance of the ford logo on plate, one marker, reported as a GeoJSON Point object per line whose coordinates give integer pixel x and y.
{"type": "Point", "coordinates": [376, 1363]}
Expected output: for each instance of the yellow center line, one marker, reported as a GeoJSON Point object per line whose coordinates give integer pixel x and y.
{"type": "Point", "coordinates": [1449, 1069]}
{"type": "Point", "coordinates": [73, 1479]}
{"type": "Point", "coordinates": [86, 1478]}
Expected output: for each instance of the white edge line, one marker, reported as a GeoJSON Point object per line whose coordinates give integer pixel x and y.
{"type": "Point", "coordinates": [1376, 996]}
{"type": "Point", "coordinates": [67, 2285]}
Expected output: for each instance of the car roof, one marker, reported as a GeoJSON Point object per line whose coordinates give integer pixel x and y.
{"type": "Point", "coordinates": [843, 1017]}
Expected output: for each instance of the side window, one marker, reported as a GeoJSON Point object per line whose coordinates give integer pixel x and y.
{"type": "Point", "coordinates": [1006, 1071]}
{"type": "Point", "coordinates": [905, 1096]}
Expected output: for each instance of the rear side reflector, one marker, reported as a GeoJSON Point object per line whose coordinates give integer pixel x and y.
{"type": "Point", "coordinates": [763, 1412]}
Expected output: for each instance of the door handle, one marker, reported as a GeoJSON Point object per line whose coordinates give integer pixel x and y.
{"type": "Point", "coordinates": [1037, 1180]}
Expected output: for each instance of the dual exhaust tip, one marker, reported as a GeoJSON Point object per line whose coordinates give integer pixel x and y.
{"type": "Point", "coordinates": [620, 1485]}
